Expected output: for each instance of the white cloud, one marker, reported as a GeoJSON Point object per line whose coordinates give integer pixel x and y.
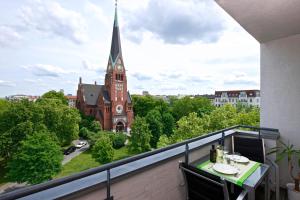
{"type": "Point", "coordinates": [47, 70]}
{"type": "Point", "coordinates": [96, 11]}
{"type": "Point", "coordinates": [92, 67]}
{"type": "Point", "coordinates": [50, 18]}
{"type": "Point", "coordinates": [177, 22]}
{"type": "Point", "coordinates": [9, 36]}
{"type": "Point", "coordinates": [7, 83]}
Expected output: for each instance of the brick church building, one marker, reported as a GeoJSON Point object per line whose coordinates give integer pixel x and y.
{"type": "Point", "coordinates": [110, 103]}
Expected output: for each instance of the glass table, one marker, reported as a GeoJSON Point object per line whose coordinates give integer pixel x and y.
{"type": "Point", "coordinates": [252, 182]}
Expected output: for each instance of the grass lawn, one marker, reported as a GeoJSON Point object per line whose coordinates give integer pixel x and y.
{"type": "Point", "coordinates": [85, 161]}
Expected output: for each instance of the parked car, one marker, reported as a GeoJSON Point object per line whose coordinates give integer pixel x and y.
{"type": "Point", "coordinates": [69, 150]}
{"type": "Point", "coordinates": [81, 144]}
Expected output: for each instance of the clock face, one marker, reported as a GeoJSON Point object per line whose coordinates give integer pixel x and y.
{"type": "Point", "coordinates": [119, 109]}
{"type": "Point", "coordinates": [119, 67]}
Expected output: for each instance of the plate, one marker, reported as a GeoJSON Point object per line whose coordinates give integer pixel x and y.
{"type": "Point", "coordinates": [225, 169]}
{"type": "Point", "coordinates": [239, 159]}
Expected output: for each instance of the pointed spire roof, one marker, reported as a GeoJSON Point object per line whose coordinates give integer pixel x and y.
{"type": "Point", "coordinates": [115, 50]}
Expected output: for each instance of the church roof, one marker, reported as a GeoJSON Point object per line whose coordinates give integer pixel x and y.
{"type": "Point", "coordinates": [115, 50]}
{"type": "Point", "coordinates": [91, 93]}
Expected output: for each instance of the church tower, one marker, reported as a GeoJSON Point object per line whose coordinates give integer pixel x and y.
{"type": "Point", "coordinates": [116, 82]}
{"type": "Point", "coordinates": [110, 103]}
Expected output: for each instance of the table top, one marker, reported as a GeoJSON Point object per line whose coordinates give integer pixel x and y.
{"type": "Point", "coordinates": [252, 181]}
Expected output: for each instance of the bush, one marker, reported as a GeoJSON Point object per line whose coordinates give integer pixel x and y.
{"type": "Point", "coordinates": [119, 140]}
{"type": "Point", "coordinates": [103, 151]}
{"type": "Point", "coordinates": [84, 133]}
{"type": "Point", "coordinates": [95, 126]}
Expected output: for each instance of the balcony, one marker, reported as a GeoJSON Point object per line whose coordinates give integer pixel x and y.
{"type": "Point", "coordinates": [151, 175]}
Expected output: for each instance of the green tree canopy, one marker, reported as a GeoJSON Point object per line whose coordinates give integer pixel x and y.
{"type": "Point", "coordinates": [142, 105]}
{"type": "Point", "coordinates": [95, 126]}
{"type": "Point", "coordinates": [223, 117]}
{"type": "Point", "coordinates": [140, 135]}
{"type": "Point", "coordinates": [168, 122]}
{"type": "Point", "coordinates": [163, 141]}
{"type": "Point", "coordinates": [55, 95]}
{"type": "Point", "coordinates": [188, 127]}
{"type": "Point", "coordinates": [183, 107]}
{"type": "Point", "coordinates": [103, 151]}
{"type": "Point", "coordinates": [38, 159]}
{"type": "Point", "coordinates": [4, 104]}
{"type": "Point", "coordinates": [154, 120]}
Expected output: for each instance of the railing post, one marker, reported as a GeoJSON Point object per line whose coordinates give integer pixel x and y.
{"type": "Point", "coordinates": [223, 138]}
{"type": "Point", "coordinates": [186, 153]}
{"type": "Point", "coordinates": [108, 197]}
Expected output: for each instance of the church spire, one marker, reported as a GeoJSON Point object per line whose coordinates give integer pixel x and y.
{"type": "Point", "coordinates": [115, 51]}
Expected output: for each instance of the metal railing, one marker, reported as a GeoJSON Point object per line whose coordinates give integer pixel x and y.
{"type": "Point", "coordinates": [107, 167]}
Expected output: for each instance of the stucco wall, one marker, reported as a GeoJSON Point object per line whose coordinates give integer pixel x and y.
{"type": "Point", "coordinates": [163, 181]}
{"type": "Point", "coordinates": [280, 90]}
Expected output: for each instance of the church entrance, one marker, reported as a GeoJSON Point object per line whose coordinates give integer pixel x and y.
{"type": "Point", "coordinates": [120, 127]}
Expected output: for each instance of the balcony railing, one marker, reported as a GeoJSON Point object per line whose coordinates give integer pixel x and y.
{"type": "Point", "coordinates": [181, 148]}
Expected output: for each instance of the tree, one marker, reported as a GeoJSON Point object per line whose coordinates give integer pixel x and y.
{"type": "Point", "coordinates": [163, 141]}
{"type": "Point", "coordinates": [143, 104]}
{"type": "Point", "coordinates": [103, 151]}
{"type": "Point", "coordinates": [188, 127]}
{"type": "Point", "coordinates": [119, 140]}
{"type": "Point", "coordinates": [61, 120]}
{"type": "Point", "coordinates": [55, 95]}
{"type": "Point", "coordinates": [4, 104]}
{"type": "Point", "coordinates": [95, 126]}
{"type": "Point", "coordinates": [183, 107]}
{"type": "Point", "coordinates": [154, 119]}
{"type": "Point", "coordinates": [251, 118]}
{"type": "Point", "coordinates": [84, 133]}
{"type": "Point", "coordinates": [38, 159]}
{"type": "Point", "coordinates": [68, 129]}
{"type": "Point", "coordinates": [223, 117]}
{"type": "Point", "coordinates": [140, 135]}
{"type": "Point", "coordinates": [168, 122]}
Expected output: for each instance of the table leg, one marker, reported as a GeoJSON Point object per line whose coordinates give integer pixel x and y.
{"type": "Point", "coordinates": [267, 190]}
{"type": "Point", "coordinates": [251, 194]}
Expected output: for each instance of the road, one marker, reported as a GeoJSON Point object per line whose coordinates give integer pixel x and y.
{"type": "Point", "coordinates": [69, 157]}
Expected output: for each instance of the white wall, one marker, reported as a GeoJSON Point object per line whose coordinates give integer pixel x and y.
{"type": "Point", "coordinates": [280, 89]}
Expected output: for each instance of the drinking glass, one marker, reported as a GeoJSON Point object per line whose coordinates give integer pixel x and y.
{"type": "Point", "coordinates": [225, 155]}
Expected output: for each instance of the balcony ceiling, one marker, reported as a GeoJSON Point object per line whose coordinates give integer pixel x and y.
{"type": "Point", "coordinates": [265, 20]}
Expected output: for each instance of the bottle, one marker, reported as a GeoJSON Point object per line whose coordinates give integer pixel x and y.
{"type": "Point", "coordinates": [213, 154]}
{"type": "Point", "coordinates": [219, 151]}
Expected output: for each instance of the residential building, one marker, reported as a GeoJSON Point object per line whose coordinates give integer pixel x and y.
{"type": "Point", "coordinates": [71, 100]}
{"type": "Point", "coordinates": [234, 97]}
{"type": "Point", "coordinates": [110, 103]}
{"type": "Point", "coordinates": [19, 97]}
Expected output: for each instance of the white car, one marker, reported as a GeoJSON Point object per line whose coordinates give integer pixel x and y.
{"type": "Point", "coordinates": [80, 144]}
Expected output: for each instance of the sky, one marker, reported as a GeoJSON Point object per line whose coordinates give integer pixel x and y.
{"type": "Point", "coordinates": [169, 47]}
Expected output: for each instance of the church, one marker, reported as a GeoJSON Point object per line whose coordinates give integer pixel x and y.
{"type": "Point", "coordinates": [110, 103]}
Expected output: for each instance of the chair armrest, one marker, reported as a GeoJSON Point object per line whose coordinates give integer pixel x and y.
{"type": "Point", "coordinates": [243, 195]}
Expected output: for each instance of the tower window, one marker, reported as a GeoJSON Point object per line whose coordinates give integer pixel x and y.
{"type": "Point", "coordinates": [119, 77]}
